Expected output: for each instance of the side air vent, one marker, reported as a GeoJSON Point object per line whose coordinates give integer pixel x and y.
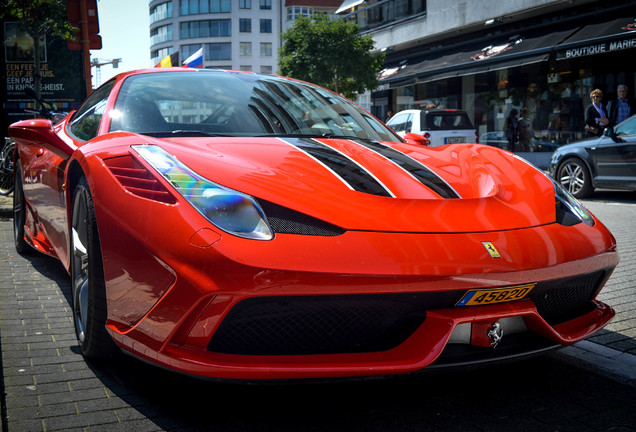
{"type": "Point", "coordinates": [138, 180]}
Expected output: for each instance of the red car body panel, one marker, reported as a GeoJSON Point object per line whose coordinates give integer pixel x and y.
{"type": "Point", "coordinates": [172, 277]}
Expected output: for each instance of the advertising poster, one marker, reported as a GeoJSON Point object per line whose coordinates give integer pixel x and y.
{"type": "Point", "coordinates": [61, 72]}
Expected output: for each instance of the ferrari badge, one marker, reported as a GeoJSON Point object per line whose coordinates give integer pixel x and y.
{"type": "Point", "coordinates": [492, 250]}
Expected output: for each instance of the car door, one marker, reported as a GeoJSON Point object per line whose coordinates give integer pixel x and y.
{"type": "Point", "coordinates": [616, 161]}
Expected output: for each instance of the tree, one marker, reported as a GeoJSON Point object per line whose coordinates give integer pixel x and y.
{"type": "Point", "coordinates": [330, 53]}
{"type": "Point", "coordinates": [38, 18]}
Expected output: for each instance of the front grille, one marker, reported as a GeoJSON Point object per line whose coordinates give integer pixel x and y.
{"type": "Point", "coordinates": [303, 325]}
{"type": "Point", "coordinates": [561, 300]}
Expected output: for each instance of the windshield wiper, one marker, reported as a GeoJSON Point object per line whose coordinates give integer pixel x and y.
{"type": "Point", "coordinates": [300, 135]}
{"type": "Point", "coordinates": [184, 133]}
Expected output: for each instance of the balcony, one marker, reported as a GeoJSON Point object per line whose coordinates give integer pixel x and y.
{"type": "Point", "coordinates": [375, 14]}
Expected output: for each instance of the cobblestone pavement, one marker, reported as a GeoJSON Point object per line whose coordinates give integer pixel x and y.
{"type": "Point", "coordinates": [48, 386]}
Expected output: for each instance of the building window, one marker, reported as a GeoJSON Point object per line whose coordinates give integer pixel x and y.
{"type": "Point", "coordinates": [266, 49]}
{"type": "Point", "coordinates": [220, 6]}
{"type": "Point", "coordinates": [246, 68]}
{"type": "Point", "coordinates": [266, 26]}
{"type": "Point", "coordinates": [295, 12]}
{"type": "Point", "coordinates": [161, 34]}
{"type": "Point", "coordinates": [218, 51]}
{"type": "Point", "coordinates": [245, 48]}
{"type": "Point", "coordinates": [194, 7]}
{"type": "Point", "coordinates": [245, 25]}
{"type": "Point", "coordinates": [160, 54]}
{"type": "Point", "coordinates": [161, 12]}
{"type": "Point", "coordinates": [245, 4]}
{"type": "Point", "coordinates": [208, 28]}
{"type": "Point", "coordinates": [266, 4]}
{"type": "Point", "coordinates": [266, 69]}
{"type": "Point", "coordinates": [187, 50]}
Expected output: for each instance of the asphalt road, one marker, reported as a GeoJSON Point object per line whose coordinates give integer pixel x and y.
{"type": "Point", "coordinates": [48, 386]}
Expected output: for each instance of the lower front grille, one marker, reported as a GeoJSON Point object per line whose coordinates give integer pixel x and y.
{"type": "Point", "coordinates": [304, 325]}
{"type": "Point", "coordinates": [308, 325]}
{"type": "Point", "coordinates": [561, 300]}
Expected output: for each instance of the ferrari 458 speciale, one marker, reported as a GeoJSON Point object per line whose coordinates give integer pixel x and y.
{"type": "Point", "coordinates": [240, 226]}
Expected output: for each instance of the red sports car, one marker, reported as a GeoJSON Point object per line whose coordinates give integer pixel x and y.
{"type": "Point", "coordinates": [241, 226]}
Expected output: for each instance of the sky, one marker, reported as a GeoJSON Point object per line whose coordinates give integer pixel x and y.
{"type": "Point", "coordinates": [124, 28]}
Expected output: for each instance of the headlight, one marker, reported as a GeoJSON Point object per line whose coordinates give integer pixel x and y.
{"type": "Point", "coordinates": [569, 210]}
{"type": "Point", "coordinates": [571, 205]}
{"type": "Point", "coordinates": [233, 212]}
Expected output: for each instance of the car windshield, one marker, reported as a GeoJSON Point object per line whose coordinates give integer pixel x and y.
{"type": "Point", "coordinates": [627, 128]}
{"type": "Point", "coordinates": [237, 104]}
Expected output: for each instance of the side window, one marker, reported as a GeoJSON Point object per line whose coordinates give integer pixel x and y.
{"type": "Point", "coordinates": [409, 123]}
{"type": "Point", "coordinates": [85, 123]}
{"type": "Point", "coordinates": [398, 123]}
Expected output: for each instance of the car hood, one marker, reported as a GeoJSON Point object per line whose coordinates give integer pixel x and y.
{"type": "Point", "coordinates": [363, 185]}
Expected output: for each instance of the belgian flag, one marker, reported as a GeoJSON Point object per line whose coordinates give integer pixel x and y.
{"type": "Point", "coordinates": [171, 60]}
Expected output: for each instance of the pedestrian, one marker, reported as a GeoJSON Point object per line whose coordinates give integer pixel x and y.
{"type": "Point", "coordinates": [389, 114]}
{"type": "Point", "coordinates": [595, 117]}
{"type": "Point", "coordinates": [512, 129]}
{"type": "Point", "coordinates": [620, 108]}
{"type": "Point", "coordinates": [526, 132]}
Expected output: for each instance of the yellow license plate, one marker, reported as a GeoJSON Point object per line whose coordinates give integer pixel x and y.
{"type": "Point", "coordinates": [497, 295]}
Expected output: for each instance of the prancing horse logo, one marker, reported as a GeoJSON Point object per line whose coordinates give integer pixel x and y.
{"type": "Point", "coordinates": [495, 334]}
{"type": "Point", "coordinates": [492, 250]}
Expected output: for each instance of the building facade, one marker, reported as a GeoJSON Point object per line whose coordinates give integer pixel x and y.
{"type": "Point", "coordinates": [489, 58]}
{"type": "Point", "coordinates": [235, 34]}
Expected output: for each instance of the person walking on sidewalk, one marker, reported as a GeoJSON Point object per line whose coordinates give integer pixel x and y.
{"type": "Point", "coordinates": [620, 108]}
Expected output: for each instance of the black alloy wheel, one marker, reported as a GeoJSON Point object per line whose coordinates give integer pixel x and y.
{"type": "Point", "coordinates": [87, 279]}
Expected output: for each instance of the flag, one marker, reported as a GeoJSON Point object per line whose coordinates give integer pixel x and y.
{"type": "Point", "coordinates": [195, 60]}
{"type": "Point", "coordinates": [169, 60]}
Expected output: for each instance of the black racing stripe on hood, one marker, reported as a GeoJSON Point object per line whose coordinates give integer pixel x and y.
{"type": "Point", "coordinates": [419, 171]}
{"type": "Point", "coordinates": [350, 172]}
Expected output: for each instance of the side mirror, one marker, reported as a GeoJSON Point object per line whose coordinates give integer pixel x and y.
{"type": "Point", "coordinates": [40, 133]}
{"type": "Point", "coordinates": [610, 132]}
{"type": "Point", "coordinates": [416, 139]}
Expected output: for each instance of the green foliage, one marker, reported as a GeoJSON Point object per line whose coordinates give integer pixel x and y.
{"type": "Point", "coordinates": [330, 53]}
{"type": "Point", "coordinates": [39, 17]}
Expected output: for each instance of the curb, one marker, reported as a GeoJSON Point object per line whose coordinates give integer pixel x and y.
{"type": "Point", "coordinates": [608, 359]}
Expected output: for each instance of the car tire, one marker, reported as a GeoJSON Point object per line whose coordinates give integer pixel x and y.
{"type": "Point", "coordinates": [19, 214]}
{"type": "Point", "coordinates": [87, 279]}
{"type": "Point", "coordinates": [574, 176]}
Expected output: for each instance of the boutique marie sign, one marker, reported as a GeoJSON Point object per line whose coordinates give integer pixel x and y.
{"type": "Point", "coordinates": [600, 38]}
{"type": "Point", "coordinates": [598, 48]}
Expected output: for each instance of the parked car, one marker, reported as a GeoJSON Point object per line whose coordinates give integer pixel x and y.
{"type": "Point", "coordinates": [240, 226]}
{"type": "Point", "coordinates": [438, 126]}
{"type": "Point", "coordinates": [498, 139]}
{"type": "Point", "coordinates": [608, 161]}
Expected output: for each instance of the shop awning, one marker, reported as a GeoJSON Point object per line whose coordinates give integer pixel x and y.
{"type": "Point", "coordinates": [517, 50]}
{"type": "Point", "coordinates": [599, 38]}
{"type": "Point", "coordinates": [348, 4]}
